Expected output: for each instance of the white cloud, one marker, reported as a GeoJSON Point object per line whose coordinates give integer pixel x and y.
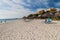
{"type": "Point", "coordinates": [57, 4]}
{"type": "Point", "coordinates": [13, 14]}
{"type": "Point", "coordinates": [16, 9]}
{"type": "Point", "coordinates": [15, 4]}
{"type": "Point", "coordinates": [45, 3]}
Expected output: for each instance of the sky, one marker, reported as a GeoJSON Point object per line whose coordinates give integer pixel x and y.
{"type": "Point", "coordinates": [20, 8]}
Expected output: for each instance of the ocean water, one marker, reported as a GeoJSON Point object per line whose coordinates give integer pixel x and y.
{"type": "Point", "coordinates": [8, 20]}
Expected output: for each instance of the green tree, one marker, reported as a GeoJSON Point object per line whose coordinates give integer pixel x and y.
{"type": "Point", "coordinates": [30, 15]}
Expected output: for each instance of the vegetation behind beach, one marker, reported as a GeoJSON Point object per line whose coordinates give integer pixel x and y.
{"type": "Point", "coordinates": [53, 13]}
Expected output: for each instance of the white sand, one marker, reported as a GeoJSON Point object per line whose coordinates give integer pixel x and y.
{"type": "Point", "coordinates": [34, 30]}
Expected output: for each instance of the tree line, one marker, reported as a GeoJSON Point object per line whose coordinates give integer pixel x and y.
{"type": "Point", "coordinates": [43, 14]}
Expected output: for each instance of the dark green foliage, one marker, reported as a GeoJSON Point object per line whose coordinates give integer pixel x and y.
{"type": "Point", "coordinates": [30, 15]}
{"type": "Point", "coordinates": [36, 15]}
{"type": "Point", "coordinates": [56, 18]}
{"type": "Point", "coordinates": [44, 14]}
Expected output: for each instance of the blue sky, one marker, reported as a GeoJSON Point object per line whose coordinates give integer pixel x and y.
{"type": "Point", "coordinates": [25, 7]}
{"type": "Point", "coordinates": [36, 4]}
{"type": "Point", "coordinates": [29, 4]}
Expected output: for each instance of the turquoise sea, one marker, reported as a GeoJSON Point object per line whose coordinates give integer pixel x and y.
{"type": "Point", "coordinates": [8, 20]}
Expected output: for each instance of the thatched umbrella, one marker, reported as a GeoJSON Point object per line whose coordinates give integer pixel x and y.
{"type": "Point", "coordinates": [57, 14]}
{"type": "Point", "coordinates": [46, 15]}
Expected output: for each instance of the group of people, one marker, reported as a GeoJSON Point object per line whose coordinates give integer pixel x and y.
{"type": "Point", "coordinates": [2, 20]}
{"type": "Point", "coordinates": [48, 20]}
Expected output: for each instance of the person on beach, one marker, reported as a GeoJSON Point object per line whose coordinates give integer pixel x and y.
{"type": "Point", "coordinates": [48, 20]}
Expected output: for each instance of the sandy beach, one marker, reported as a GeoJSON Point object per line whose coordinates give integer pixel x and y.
{"type": "Point", "coordinates": [33, 30]}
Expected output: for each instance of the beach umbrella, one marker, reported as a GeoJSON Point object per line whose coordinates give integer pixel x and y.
{"type": "Point", "coordinates": [46, 15]}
